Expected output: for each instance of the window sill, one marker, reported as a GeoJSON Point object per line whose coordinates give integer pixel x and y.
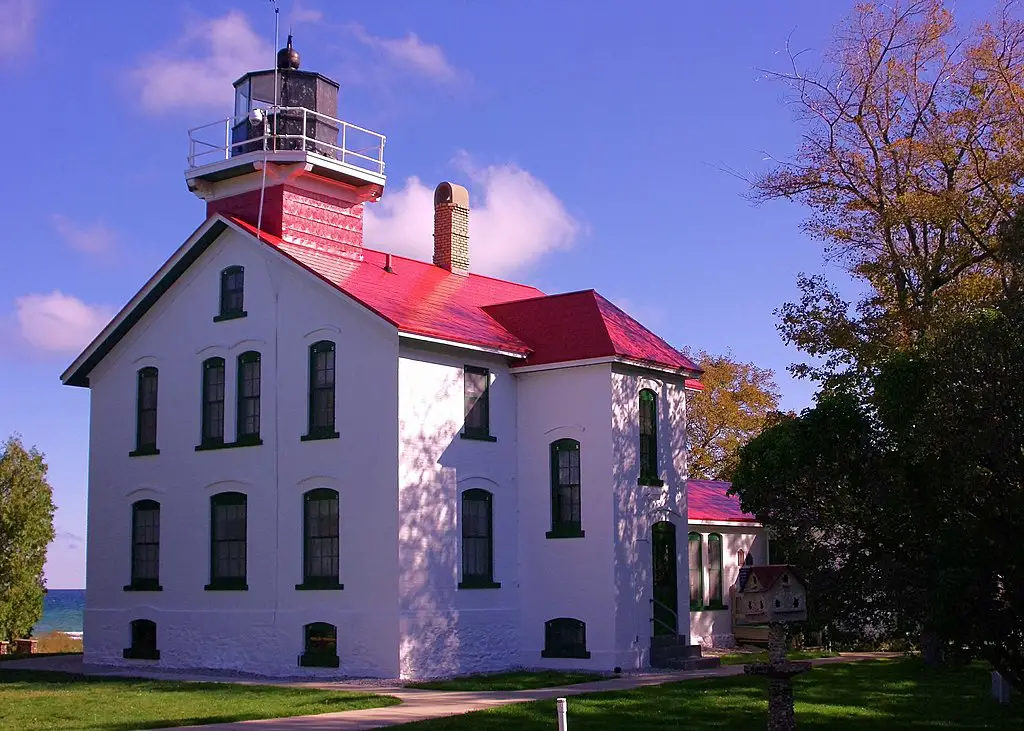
{"type": "Point", "coordinates": [143, 452]}
{"type": "Point", "coordinates": [227, 586]}
{"type": "Point", "coordinates": [585, 655]}
{"type": "Point", "coordinates": [143, 587]}
{"type": "Point", "coordinates": [479, 584]}
{"type": "Point", "coordinates": [130, 654]}
{"type": "Point", "coordinates": [697, 607]}
{"type": "Point", "coordinates": [248, 442]}
{"type": "Point", "coordinates": [565, 533]}
{"type": "Point", "coordinates": [649, 481]}
{"type": "Point", "coordinates": [315, 660]}
{"type": "Point", "coordinates": [229, 316]}
{"type": "Point", "coordinates": [319, 586]}
{"type": "Point", "coordinates": [716, 607]}
{"type": "Point", "coordinates": [477, 437]}
{"type": "Point", "coordinates": [313, 436]}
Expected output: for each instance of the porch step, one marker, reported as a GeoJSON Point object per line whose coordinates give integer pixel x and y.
{"type": "Point", "coordinates": [673, 652]}
{"type": "Point", "coordinates": [700, 663]}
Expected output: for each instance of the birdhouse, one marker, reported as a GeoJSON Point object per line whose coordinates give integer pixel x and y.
{"type": "Point", "coordinates": [771, 594]}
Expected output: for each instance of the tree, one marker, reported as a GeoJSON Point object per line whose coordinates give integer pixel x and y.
{"type": "Point", "coordinates": [26, 529]}
{"type": "Point", "coordinates": [912, 154]}
{"type": "Point", "coordinates": [736, 400]}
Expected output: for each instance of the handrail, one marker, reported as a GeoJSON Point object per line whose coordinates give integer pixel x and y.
{"type": "Point", "coordinates": [368, 156]}
{"type": "Point", "coordinates": [666, 625]}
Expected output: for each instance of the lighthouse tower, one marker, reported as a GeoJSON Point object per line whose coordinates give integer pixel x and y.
{"type": "Point", "coordinates": [285, 163]}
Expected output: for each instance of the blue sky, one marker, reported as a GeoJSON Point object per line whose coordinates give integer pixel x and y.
{"type": "Point", "coordinates": [592, 137]}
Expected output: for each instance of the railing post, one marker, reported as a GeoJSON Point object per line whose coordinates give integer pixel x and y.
{"type": "Point", "coordinates": [563, 714]}
{"type": "Point", "coordinates": [227, 138]}
{"type": "Point", "coordinates": [344, 136]}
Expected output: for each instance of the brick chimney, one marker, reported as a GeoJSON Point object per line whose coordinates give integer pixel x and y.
{"type": "Point", "coordinates": [451, 228]}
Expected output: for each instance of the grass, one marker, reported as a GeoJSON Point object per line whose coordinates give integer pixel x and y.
{"type": "Point", "coordinates": [40, 701]}
{"type": "Point", "coordinates": [519, 680]}
{"type": "Point", "coordinates": [744, 658]}
{"type": "Point", "coordinates": [877, 695]}
{"type": "Point", "coordinates": [52, 643]}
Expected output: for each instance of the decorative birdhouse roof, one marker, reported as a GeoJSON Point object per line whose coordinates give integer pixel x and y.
{"type": "Point", "coordinates": [763, 578]}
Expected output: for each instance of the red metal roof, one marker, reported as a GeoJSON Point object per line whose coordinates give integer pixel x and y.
{"type": "Point", "coordinates": [707, 500]}
{"type": "Point", "coordinates": [582, 325]}
{"type": "Point", "coordinates": [424, 299]}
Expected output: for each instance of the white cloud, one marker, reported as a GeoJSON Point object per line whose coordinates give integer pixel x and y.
{"type": "Point", "coordinates": [426, 59]}
{"type": "Point", "coordinates": [94, 238]}
{"type": "Point", "coordinates": [17, 26]}
{"type": "Point", "coordinates": [59, 323]}
{"type": "Point", "coordinates": [197, 70]}
{"type": "Point", "coordinates": [516, 220]}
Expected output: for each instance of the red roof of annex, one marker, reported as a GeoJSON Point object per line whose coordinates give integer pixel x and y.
{"type": "Point", "coordinates": [707, 500]}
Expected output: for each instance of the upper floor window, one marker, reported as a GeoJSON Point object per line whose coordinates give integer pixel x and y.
{"type": "Point", "coordinates": [565, 637]}
{"type": "Point", "coordinates": [321, 391]}
{"type": "Point", "coordinates": [649, 439]}
{"type": "Point", "coordinates": [477, 541]}
{"type": "Point", "coordinates": [716, 590]}
{"type": "Point", "coordinates": [477, 390]}
{"type": "Point", "coordinates": [248, 398]}
{"type": "Point", "coordinates": [321, 547]}
{"type": "Point", "coordinates": [696, 552]}
{"type": "Point", "coordinates": [213, 403]}
{"type": "Point", "coordinates": [321, 647]}
{"type": "Point", "coordinates": [228, 541]}
{"type": "Point", "coordinates": [145, 416]}
{"type": "Point", "coordinates": [143, 641]}
{"type": "Point", "coordinates": [566, 520]}
{"type": "Point", "coordinates": [145, 570]}
{"type": "Point", "coordinates": [232, 290]}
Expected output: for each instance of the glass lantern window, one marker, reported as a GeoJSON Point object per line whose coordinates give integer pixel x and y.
{"type": "Point", "coordinates": [262, 91]}
{"type": "Point", "coordinates": [242, 99]}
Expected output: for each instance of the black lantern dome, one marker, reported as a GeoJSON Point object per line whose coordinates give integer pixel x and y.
{"type": "Point", "coordinates": [288, 57]}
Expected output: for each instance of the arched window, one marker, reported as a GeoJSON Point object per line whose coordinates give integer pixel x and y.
{"type": "Point", "coordinates": [248, 424]}
{"type": "Point", "coordinates": [477, 541]}
{"type": "Point", "coordinates": [321, 646]}
{"type": "Point", "coordinates": [741, 557]}
{"type": "Point", "coordinates": [321, 391]}
{"type": "Point", "coordinates": [228, 541]}
{"type": "Point", "coordinates": [321, 547]}
{"type": "Point", "coordinates": [565, 637]}
{"type": "Point", "coordinates": [696, 550]}
{"type": "Point", "coordinates": [145, 415]}
{"type": "Point", "coordinates": [145, 574]}
{"type": "Point", "coordinates": [566, 519]}
{"type": "Point", "coordinates": [213, 403]}
{"type": "Point", "coordinates": [143, 641]}
{"type": "Point", "coordinates": [232, 294]}
{"type": "Point", "coordinates": [649, 439]}
{"type": "Point", "coordinates": [476, 386]}
{"type": "Point", "coordinates": [715, 578]}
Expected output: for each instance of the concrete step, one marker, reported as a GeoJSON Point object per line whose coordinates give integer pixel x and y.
{"type": "Point", "coordinates": [696, 663]}
{"type": "Point", "coordinates": [683, 652]}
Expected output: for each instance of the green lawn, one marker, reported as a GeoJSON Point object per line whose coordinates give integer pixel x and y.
{"type": "Point", "coordinates": [745, 658]}
{"type": "Point", "coordinates": [873, 695]}
{"type": "Point", "coordinates": [521, 680]}
{"type": "Point", "coordinates": [38, 701]}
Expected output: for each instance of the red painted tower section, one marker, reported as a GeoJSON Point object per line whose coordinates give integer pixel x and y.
{"type": "Point", "coordinates": [318, 220]}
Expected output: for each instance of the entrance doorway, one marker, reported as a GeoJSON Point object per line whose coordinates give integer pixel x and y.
{"type": "Point", "coordinates": [663, 566]}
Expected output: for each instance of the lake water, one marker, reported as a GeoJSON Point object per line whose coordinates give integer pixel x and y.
{"type": "Point", "coordinates": [63, 610]}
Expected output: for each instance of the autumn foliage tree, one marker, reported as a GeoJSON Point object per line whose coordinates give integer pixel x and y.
{"type": "Point", "coordinates": [912, 153]}
{"type": "Point", "coordinates": [26, 529]}
{"type": "Point", "coordinates": [733, 407]}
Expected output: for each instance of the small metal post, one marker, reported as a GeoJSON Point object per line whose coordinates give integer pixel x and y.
{"type": "Point", "coordinates": [563, 720]}
{"type": "Point", "coordinates": [227, 138]}
{"type": "Point", "coordinates": [344, 130]}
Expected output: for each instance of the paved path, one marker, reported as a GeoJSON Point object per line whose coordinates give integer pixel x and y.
{"type": "Point", "coordinates": [417, 705]}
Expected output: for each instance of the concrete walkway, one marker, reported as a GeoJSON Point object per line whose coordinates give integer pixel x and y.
{"type": "Point", "coordinates": [417, 705]}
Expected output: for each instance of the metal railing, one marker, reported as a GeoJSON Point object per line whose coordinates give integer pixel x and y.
{"type": "Point", "coordinates": [672, 630]}
{"type": "Point", "coordinates": [356, 146]}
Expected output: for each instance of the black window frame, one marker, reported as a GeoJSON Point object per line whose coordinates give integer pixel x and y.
{"type": "Point", "coordinates": [556, 633]}
{"type": "Point", "coordinates": [716, 587]}
{"type": "Point", "coordinates": [566, 528]}
{"type": "Point", "coordinates": [143, 543]}
{"type": "Point", "coordinates": [476, 404]}
{"type": "Point", "coordinates": [319, 657]}
{"type": "Point", "coordinates": [480, 580]}
{"type": "Point", "coordinates": [696, 604]}
{"type": "Point", "coordinates": [232, 293]}
{"type": "Point", "coordinates": [647, 454]}
{"type": "Point", "coordinates": [210, 406]}
{"type": "Point", "coordinates": [321, 581]}
{"type": "Point", "coordinates": [325, 430]}
{"type": "Point", "coordinates": [143, 444]}
{"type": "Point", "coordinates": [143, 641]}
{"type": "Point", "coordinates": [247, 425]}
{"type": "Point", "coordinates": [228, 581]}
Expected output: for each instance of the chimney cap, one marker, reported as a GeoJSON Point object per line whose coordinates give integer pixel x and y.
{"type": "Point", "coordinates": [451, 194]}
